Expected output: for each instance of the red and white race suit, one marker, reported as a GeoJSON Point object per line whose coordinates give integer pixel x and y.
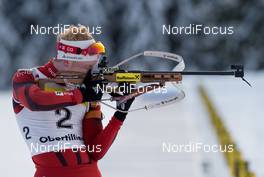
{"type": "Point", "coordinates": [65, 136]}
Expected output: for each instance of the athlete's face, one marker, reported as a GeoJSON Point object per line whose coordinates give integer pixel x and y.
{"type": "Point", "coordinates": [74, 66]}
{"type": "Point", "coordinates": [82, 67]}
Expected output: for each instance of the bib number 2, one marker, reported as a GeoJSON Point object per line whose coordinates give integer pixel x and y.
{"type": "Point", "coordinates": [62, 122]}
{"type": "Point", "coordinates": [26, 131]}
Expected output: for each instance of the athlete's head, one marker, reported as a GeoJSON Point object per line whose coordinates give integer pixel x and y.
{"type": "Point", "coordinates": [77, 51]}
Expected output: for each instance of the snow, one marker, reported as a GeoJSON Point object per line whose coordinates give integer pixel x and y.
{"type": "Point", "coordinates": [241, 108]}
{"type": "Point", "coordinates": [137, 151]}
{"type": "Point", "coordinates": [15, 157]}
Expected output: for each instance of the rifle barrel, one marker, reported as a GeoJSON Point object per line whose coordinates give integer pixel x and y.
{"type": "Point", "coordinates": [212, 73]}
{"type": "Point", "coordinates": [199, 73]}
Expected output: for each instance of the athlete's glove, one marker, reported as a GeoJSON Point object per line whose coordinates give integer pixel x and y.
{"type": "Point", "coordinates": [124, 106]}
{"type": "Point", "coordinates": [90, 89]}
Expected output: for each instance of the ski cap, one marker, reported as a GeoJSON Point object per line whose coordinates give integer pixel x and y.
{"type": "Point", "coordinates": [84, 50]}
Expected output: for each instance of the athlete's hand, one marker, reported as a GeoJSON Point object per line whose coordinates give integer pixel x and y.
{"type": "Point", "coordinates": [91, 89]}
{"type": "Point", "coordinates": [124, 106]}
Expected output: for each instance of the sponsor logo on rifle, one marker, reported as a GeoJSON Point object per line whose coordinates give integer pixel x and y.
{"type": "Point", "coordinates": [128, 77]}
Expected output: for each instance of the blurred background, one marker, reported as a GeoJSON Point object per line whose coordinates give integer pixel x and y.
{"type": "Point", "coordinates": [129, 27]}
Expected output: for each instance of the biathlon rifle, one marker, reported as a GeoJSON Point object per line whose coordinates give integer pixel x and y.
{"type": "Point", "coordinates": [105, 74]}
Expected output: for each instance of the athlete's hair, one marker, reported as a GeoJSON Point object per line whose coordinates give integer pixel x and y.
{"type": "Point", "coordinates": [75, 33]}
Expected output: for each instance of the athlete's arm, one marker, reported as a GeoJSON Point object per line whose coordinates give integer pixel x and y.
{"type": "Point", "coordinates": [93, 131]}
{"type": "Point", "coordinates": [94, 134]}
{"type": "Point", "coordinates": [29, 94]}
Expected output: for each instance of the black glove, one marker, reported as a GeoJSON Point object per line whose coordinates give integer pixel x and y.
{"type": "Point", "coordinates": [124, 106]}
{"type": "Point", "coordinates": [90, 89]}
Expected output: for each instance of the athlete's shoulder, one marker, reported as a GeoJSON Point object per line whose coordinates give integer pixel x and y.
{"type": "Point", "coordinates": [23, 75]}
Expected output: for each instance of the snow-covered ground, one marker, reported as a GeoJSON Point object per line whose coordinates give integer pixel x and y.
{"type": "Point", "coordinates": [241, 107]}
{"type": "Point", "coordinates": [138, 150]}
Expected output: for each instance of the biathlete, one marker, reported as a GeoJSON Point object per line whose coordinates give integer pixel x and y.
{"type": "Point", "coordinates": [61, 123]}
